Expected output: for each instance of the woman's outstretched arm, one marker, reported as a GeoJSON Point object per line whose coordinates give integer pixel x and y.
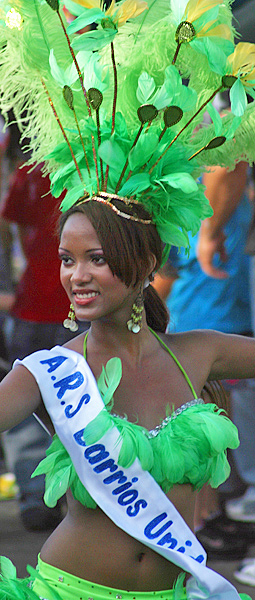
{"type": "Point", "coordinates": [19, 397]}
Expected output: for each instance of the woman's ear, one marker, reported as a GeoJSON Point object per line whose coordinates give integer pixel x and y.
{"type": "Point", "coordinates": [152, 263]}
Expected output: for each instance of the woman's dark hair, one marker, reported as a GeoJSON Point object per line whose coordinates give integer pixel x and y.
{"type": "Point", "coordinates": [213, 391]}
{"type": "Point", "coordinates": [128, 247]}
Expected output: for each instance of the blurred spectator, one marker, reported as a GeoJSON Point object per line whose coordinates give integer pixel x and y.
{"type": "Point", "coordinates": [244, 19]}
{"type": "Point", "coordinates": [35, 322]}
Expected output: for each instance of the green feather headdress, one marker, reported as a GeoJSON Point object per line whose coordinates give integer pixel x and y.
{"type": "Point", "coordinates": [107, 110]}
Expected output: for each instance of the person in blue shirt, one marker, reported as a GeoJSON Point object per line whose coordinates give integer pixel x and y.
{"type": "Point", "coordinates": [196, 300]}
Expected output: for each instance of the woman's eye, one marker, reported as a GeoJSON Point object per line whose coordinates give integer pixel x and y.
{"type": "Point", "coordinates": [98, 259]}
{"type": "Point", "coordinates": [66, 260]}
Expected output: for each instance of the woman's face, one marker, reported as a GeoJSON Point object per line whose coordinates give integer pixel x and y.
{"type": "Point", "coordinates": [86, 277]}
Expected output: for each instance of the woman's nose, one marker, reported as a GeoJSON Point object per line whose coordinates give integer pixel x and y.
{"type": "Point", "coordinates": [81, 274]}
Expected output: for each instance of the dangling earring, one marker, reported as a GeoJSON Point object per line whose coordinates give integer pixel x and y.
{"type": "Point", "coordinates": [135, 322]}
{"type": "Point", "coordinates": [70, 322]}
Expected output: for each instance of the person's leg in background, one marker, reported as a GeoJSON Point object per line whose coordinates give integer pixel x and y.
{"type": "Point", "coordinates": [244, 507]}
{"type": "Point", "coordinates": [243, 396]}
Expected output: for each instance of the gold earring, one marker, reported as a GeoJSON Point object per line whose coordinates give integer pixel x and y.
{"type": "Point", "coordinates": [70, 322]}
{"type": "Point", "coordinates": [135, 322]}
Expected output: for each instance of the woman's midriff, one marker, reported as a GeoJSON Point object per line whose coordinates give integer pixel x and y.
{"type": "Point", "coordinates": [89, 545]}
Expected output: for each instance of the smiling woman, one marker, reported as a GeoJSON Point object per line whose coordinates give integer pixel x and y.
{"type": "Point", "coordinates": [129, 254]}
{"type": "Point", "coordinates": [133, 439]}
{"type": "Point", "coordinates": [85, 275]}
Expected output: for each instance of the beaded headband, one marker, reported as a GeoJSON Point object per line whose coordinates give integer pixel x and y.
{"type": "Point", "coordinates": [108, 199]}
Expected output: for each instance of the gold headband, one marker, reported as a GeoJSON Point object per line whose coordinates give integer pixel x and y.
{"type": "Point", "coordinates": [106, 198]}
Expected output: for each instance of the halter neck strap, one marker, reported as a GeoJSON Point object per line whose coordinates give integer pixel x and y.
{"type": "Point", "coordinates": [176, 361]}
{"type": "Point", "coordinates": [186, 377]}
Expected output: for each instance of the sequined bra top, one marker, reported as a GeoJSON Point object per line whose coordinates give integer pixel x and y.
{"type": "Point", "coordinates": [188, 446]}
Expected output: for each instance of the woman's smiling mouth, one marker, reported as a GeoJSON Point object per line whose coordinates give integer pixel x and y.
{"type": "Point", "coordinates": [84, 297]}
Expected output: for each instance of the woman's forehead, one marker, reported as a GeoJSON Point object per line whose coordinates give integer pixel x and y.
{"type": "Point", "coordinates": [78, 227]}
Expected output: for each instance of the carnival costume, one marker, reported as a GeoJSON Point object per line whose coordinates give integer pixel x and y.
{"type": "Point", "coordinates": [116, 114]}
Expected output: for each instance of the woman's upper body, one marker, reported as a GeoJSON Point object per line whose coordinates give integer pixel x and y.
{"type": "Point", "coordinates": [87, 543]}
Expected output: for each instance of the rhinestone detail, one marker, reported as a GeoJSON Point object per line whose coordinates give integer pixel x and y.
{"type": "Point", "coordinates": [154, 432]}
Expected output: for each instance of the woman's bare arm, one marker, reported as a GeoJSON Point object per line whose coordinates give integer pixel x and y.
{"type": "Point", "coordinates": [210, 355]}
{"type": "Point", "coordinates": [231, 356]}
{"type": "Point", "coordinates": [235, 357]}
{"type": "Point", "coordinates": [19, 397]}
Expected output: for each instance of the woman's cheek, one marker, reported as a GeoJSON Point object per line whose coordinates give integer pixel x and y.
{"type": "Point", "coordinates": [63, 277]}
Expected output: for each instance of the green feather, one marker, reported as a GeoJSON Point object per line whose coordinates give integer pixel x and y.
{"type": "Point", "coordinates": [81, 494]}
{"type": "Point", "coordinates": [75, 9]}
{"type": "Point", "coordinates": [94, 40]}
{"type": "Point", "coordinates": [136, 184]}
{"type": "Point", "coordinates": [146, 87]}
{"type": "Point", "coordinates": [7, 569]}
{"type": "Point", "coordinates": [173, 235]}
{"type": "Point", "coordinates": [109, 379]}
{"type": "Point", "coordinates": [97, 427]}
{"type": "Point", "coordinates": [238, 99]}
{"type": "Point", "coordinates": [112, 154]}
{"type": "Point", "coordinates": [87, 17]}
{"type": "Point", "coordinates": [58, 483]}
{"type": "Point", "coordinates": [142, 151]}
{"type": "Point", "coordinates": [46, 464]}
{"type": "Point", "coordinates": [182, 181]}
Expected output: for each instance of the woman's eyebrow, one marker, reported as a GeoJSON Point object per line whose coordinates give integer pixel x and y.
{"type": "Point", "coordinates": [60, 249]}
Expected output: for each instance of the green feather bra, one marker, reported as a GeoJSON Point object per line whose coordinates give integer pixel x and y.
{"type": "Point", "coordinates": [162, 451]}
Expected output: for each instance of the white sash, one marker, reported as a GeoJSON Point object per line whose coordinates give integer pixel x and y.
{"type": "Point", "coordinates": [129, 496]}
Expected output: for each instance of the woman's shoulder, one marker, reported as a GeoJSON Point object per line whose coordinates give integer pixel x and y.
{"type": "Point", "coordinates": [193, 348]}
{"type": "Point", "coordinates": [185, 339]}
{"type": "Point", "coordinates": [76, 343]}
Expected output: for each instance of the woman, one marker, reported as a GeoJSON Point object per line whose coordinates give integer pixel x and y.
{"type": "Point", "coordinates": [134, 440]}
{"type": "Point", "coordinates": [103, 272]}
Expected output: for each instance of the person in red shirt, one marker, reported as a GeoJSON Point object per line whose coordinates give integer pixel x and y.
{"type": "Point", "coordinates": [35, 322]}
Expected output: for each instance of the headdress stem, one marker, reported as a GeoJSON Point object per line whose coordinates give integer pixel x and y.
{"type": "Point", "coordinates": [126, 163]}
{"type": "Point", "coordinates": [186, 125]}
{"type": "Point", "coordinates": [162, 133]}
{"type": "Point", "coordinates": [71, 106]}
{"type": "Point", "coordinates": [197, 153]}
{"type": "Point", "coordinates": [113, 106]}
{"type": "Point", "coordinates": [95, 161]}
{"type": "Point", "coordinates": [84, 92]}
{"type": "Point", "coordinates": [63, 131]}
{"type": "Point", "coordinates": [76, 64]}
{"type": "Point", "coordinates": [106, 177]}
{"type": "Point", "coordinates": [99, 142]}
{"type": "Point", "coordinates": [115, 86]}
{"type": "Point", "coordinates": [176, 53]}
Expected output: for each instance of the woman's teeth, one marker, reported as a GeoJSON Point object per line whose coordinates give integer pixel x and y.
{"type": "Point", "coordinates": [88, 295]}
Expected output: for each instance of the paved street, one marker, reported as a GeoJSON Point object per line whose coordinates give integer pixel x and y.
{"type": "Point", "coordinates": [22, 547]}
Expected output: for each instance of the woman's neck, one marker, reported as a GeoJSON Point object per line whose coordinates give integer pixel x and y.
{"type": "Point", "coordinates": [117, 340]}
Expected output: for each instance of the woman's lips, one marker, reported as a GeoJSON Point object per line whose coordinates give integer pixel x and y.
{"type": "Point", "coordinates": [84, 298]}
